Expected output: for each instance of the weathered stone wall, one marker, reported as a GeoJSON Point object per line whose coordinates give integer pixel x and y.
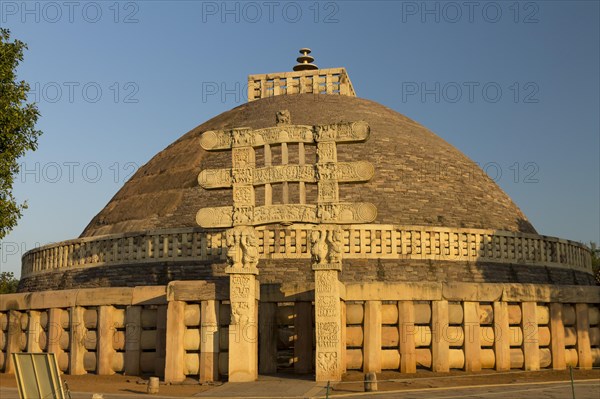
{"type": "Point", "coordinates": [298, 270]}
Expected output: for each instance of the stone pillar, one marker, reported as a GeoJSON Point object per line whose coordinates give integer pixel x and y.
{"type": "Point", "coordinates": [209, 343]}
{"type": "Point", "coordinates": [14, 336]}
{"type": "Point", "coordinates": [133, 338]}
{"type": "Point", "coordinates": [472, 337]}
{"type": "Point", "coordinates": [372, 337]}
{"type": "Point", "coordinates": [328, 326]}
{"type": "Point", "coordinates": [161, 340]}
{"type": "Point", "coordinates": [557, 337]}
{"type": "Point", "coordinates": [242, 259]}
{"type": "Point", "coordinates": [531, 347]}
{"type": "Point", "coordinates": [327, 263]}
{"type": "Point", "coordinates": [54, 331]}
{"type": "Point", "coordinates": [105, 334]}
{"type": "Point", "coordinates": [406, 337]}
{"type": "Point", "coordinates": [243, 329]}
{"type": "Point", "coordinates": [583, 337]}
{"type": "Point", "coordinates": [76, 340]}
{"type": "Point", "coordinates": [33, 332]}
{"type": "Point", "coordinates": [303, 328]}
{"type": "Point", "coordinates": [343, 336]}
{"type": "Point", "coordinates": [501, 336]}
{"type": "Point", "coordinates": [267, 327]}
{"type": "Point", "coordinates": [440, 347]}
{"type": "Point", "coordinates": [175, 351]}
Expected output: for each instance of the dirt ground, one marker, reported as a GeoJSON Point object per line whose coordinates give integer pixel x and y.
{"type": "Point", "coordinates": [353, 381]}
{"type": "Point", "coordinates": [116, 384]}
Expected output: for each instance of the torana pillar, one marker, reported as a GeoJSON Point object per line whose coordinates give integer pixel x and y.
{"type": "Point", "coordinates": [242, 254]}
{"type": "Point", "coordinates": [326, 245]}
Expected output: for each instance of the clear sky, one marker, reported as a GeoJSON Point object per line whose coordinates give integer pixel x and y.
{"type": "Point", "coordinates": [514, 85]}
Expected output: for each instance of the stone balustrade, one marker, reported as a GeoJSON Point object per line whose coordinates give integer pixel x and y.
{"type": "Point", "coordinates": [319, 81]}
{"type": "Point", "coordinates": [292, 242]}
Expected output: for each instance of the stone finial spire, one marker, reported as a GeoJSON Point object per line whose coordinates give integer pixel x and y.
{"type": "Point", "coordinates": [305, 61]}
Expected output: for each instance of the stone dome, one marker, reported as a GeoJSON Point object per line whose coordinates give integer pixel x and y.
{"type": "Point", "coordinates": [419, 178]}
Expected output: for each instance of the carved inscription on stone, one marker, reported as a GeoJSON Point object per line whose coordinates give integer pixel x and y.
{"type": "Point", "coordinates": [325, 282]}
{"type": "Point", "coordinates": [328, 308]}
{"type": "Point", "coordinates": [328, 362]}
{"type": "Point", "coordinates": [240, 286]}
{"type": "Point", "coordinates": [328, 334]}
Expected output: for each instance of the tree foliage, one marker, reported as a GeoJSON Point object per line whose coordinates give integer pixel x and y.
{"type": "Point", "coordinates": [595, 260]}
{"type": "Point", "coordinates": [17, 128]}
{"type": "Point", "coordinates": [8, 283]}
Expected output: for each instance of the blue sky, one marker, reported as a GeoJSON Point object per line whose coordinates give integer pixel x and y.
{"type": "Point", "coordinates": [514, 85]}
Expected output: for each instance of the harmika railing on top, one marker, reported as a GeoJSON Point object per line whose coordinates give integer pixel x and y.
{"type": "Point", "coordinates": [318, 81]}
{"type": "Point", "coordinates": [360, 241]}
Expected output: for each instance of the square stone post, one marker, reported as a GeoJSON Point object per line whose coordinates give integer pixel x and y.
{"type": "Point", "coordinates": [209, 343]}
{"type": "Point", "coordinates": [440, 347]}
{"type": "Point", "coordinates": [133, 338]}
{"type": "Point", "coordinates": [372, 337]}
{"type": "Point", "coordinates": [33, 332]}
{"type": "Point", "coordinates": [13, 339]}
{"type": "Point", "coordinates": [54, 331]}
{"type": "Point", "coordinates": [501, 336]}
{"type": "Point", "coordinates": [472, 340]}
{"type": "Point", "coordinates": [584, 352]}
{"type": "Point", "coordinates": [76, 341]}
{"type": "Point", "coordinates": [531, 346]}
{"type": "Point", "coordinates": [406, 337]}
{"type": "Point", "coordinates": [557, 336]}
{"type": "Point", "coordinates": [106, 332]}
{"type": "Point", "coordinates": [175, 352]}
{"type": "Point", "coordinates": [327, 263]}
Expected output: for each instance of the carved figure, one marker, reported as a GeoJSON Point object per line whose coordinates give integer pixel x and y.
{"type": "Point", "coordinates": [334, 244]}
{"type": "Point", "coordinates": [232, 239]}
{"type": "Point", "coordinates": [239, 313]}
{"type": "Point", "coordinates": [318, 248]}
{"type": "Point", "coordinates": [249, 248]}
{"type": "Point", "coordinates": [283, 117]}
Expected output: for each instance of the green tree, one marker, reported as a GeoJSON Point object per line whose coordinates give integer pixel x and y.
{"type": "Point", "coordinates": [17, 128]}
{"type": "Point", "coordinates": [595, 260]}
{"type": "Point", "coordinates": [8, 283]}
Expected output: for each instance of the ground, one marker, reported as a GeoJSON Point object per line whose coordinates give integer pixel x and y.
{"type": "Point", "coordinates": [424, 384]}
{"type": "Point", "coordinates": [114, 384]}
